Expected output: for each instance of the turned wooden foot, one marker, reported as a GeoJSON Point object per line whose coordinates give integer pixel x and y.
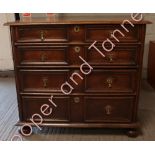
{"type": "Point", "coordinates": [133, 133]}
{"type": "Point", "coordinates": [25, 131]}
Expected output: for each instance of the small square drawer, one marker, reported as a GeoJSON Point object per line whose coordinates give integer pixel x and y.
{"type": "Point", "coordinates": [56, 33]}
{"type": "Point", "coordinates": [35, 105]}
{"type": "Point", "coordinates": [108, 109]}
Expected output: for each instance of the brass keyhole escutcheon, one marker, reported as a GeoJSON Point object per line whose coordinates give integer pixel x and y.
{"type": "Point", "coordinates": [77, 49]}
{"type": "Point", "coordinates": [76, 29]}
{"type": "Point", "coordinates": [76, 99]}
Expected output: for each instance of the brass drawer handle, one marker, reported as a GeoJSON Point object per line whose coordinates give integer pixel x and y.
{"type": "Point", "coordinates": [76, 29]}
{"type": "Point", "coordinates": [45, 81]}
{"type": "Point", "coordinates": [76, 99]}
{"type": "Point", "coordinates": [109, 81]}
{"type": "Point", "coordinates": [77, 49]}
{"type": "Point", "coordinates": [110, 58]}
{"type": "Point", "coordinates": [43, 57]}
{"type": "Point", "coordinates": [108, 109]}
{"type": "Point", "coordinates": [42, 36]}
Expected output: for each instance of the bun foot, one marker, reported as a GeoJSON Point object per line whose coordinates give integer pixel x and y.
{"type": "Point", "coordinates": [132, 133]}
{"type": "Point", "coordinates": [26, 131]}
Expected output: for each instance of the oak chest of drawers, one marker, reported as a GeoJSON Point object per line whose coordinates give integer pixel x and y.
{"type": "Point", "coordinates": [46, 55]}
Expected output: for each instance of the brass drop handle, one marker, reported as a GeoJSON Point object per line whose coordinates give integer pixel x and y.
{"type": "Point", "coordinates": [76, 29]}
{"type": "Point", "coordinates": [76, 99]}
{"type": "Point", "coordinates": [45, 81]}
{"type": "Point", "coordinates": [110, 58]}
{"type": "Point", "coordinates": [110, 81]}
{"type": "Point", "coordinates": [108, 109]}
{"type": "Point", "coordinates": [42, 36]}
{"type": "Point", "coordinates": [43, 57]}
{"type": "Point", "coordinates": [77, 49]}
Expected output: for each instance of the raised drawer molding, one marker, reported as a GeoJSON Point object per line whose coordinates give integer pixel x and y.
{"type": "Point", "coordinates": [46, 60]}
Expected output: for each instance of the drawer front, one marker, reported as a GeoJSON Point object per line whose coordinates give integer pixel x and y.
{"type": "Point", "coordinates": [52, 55]}
{"type": "Point", "coordinates": [108, 109]}
{"type": "Point", "coordinates": [120, 55]}
{"type": "Point", "coordinates": [56, 55]}
{"type": "Point", "coordinates": [42, 80]}
{"type": "Point", "coordinates": [34, 105]}
{"type": "Point", "coordinates": [55, 33]}
{"type": "Point", "coordinates": [111, 81]}
{"type": "Point", "coordinates": [102, 32]}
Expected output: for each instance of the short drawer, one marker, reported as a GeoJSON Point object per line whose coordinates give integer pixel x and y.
{"type": "Point", "coordinates": [35, 105]}
{"type": "Point", "coordinates": [111, 81]}
{"type": "Point", "coordinates": [119, 56]}
{"type": "Point", "coordinates": [56, 33]}
{"type": "Point", "coordinates": [108, 109]}
{"type": "Point", "coordinates": [42, 80]}
{"type": "Point", "coordinates": [103, 32]}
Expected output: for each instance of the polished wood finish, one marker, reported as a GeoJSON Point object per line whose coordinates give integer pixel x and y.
{"type": "Point", "coordinates": [151, 64]}
{"type": "Point", "coordinates": [46, 54]}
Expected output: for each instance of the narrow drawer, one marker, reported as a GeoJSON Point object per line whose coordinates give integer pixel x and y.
{"type": "Point", "coordinates": [111, 81]}
{"type": "Point", "coordinates": [56, 33]}
{"type": "Point", "coordinates": [108, 109]}
{"type": "Point", "coordinates": [42, 80]}
{"type": "Point", "coordinates": [102, 32]}
{"type": "Point", "coordinates": [33, 105]}
{"type": "Point", "coordinates": [119, 56]}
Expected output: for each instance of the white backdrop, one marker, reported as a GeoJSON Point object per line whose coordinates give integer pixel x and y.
{"type": "Point", "coordinates": [5, 44]}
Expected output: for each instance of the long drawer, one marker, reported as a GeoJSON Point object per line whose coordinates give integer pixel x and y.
{"type": "Point", "coordinates": [58, 55]}
{"type": "Point", "coordinates": [88, 109]}
{"type": "Point", "coordinates": [99, 81]}
{"type": "Point", "coordinates": [81, 33]}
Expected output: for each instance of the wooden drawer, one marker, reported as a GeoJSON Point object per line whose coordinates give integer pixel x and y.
{"type": "Point", "coordinates": [108, 109]}
{"type": "Point", "coordinates": [55, 33]}
{"type": "Point", "coordinates": [102, 32]}
{"type": "Point", "coordinates": [32, 105]}
{"type": "Point", "coordinates": [32, 55]}
{"type": "Point", "coordinates": [42, 80]}
{"type": "Point", "coordinates": [119, 56]}
{"type": "Point", "coordinates": [49, 81]}
{"type": "Point", "coordinates": [49, 55]}
{"type": "Point", "coordinates": [111, 81]}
